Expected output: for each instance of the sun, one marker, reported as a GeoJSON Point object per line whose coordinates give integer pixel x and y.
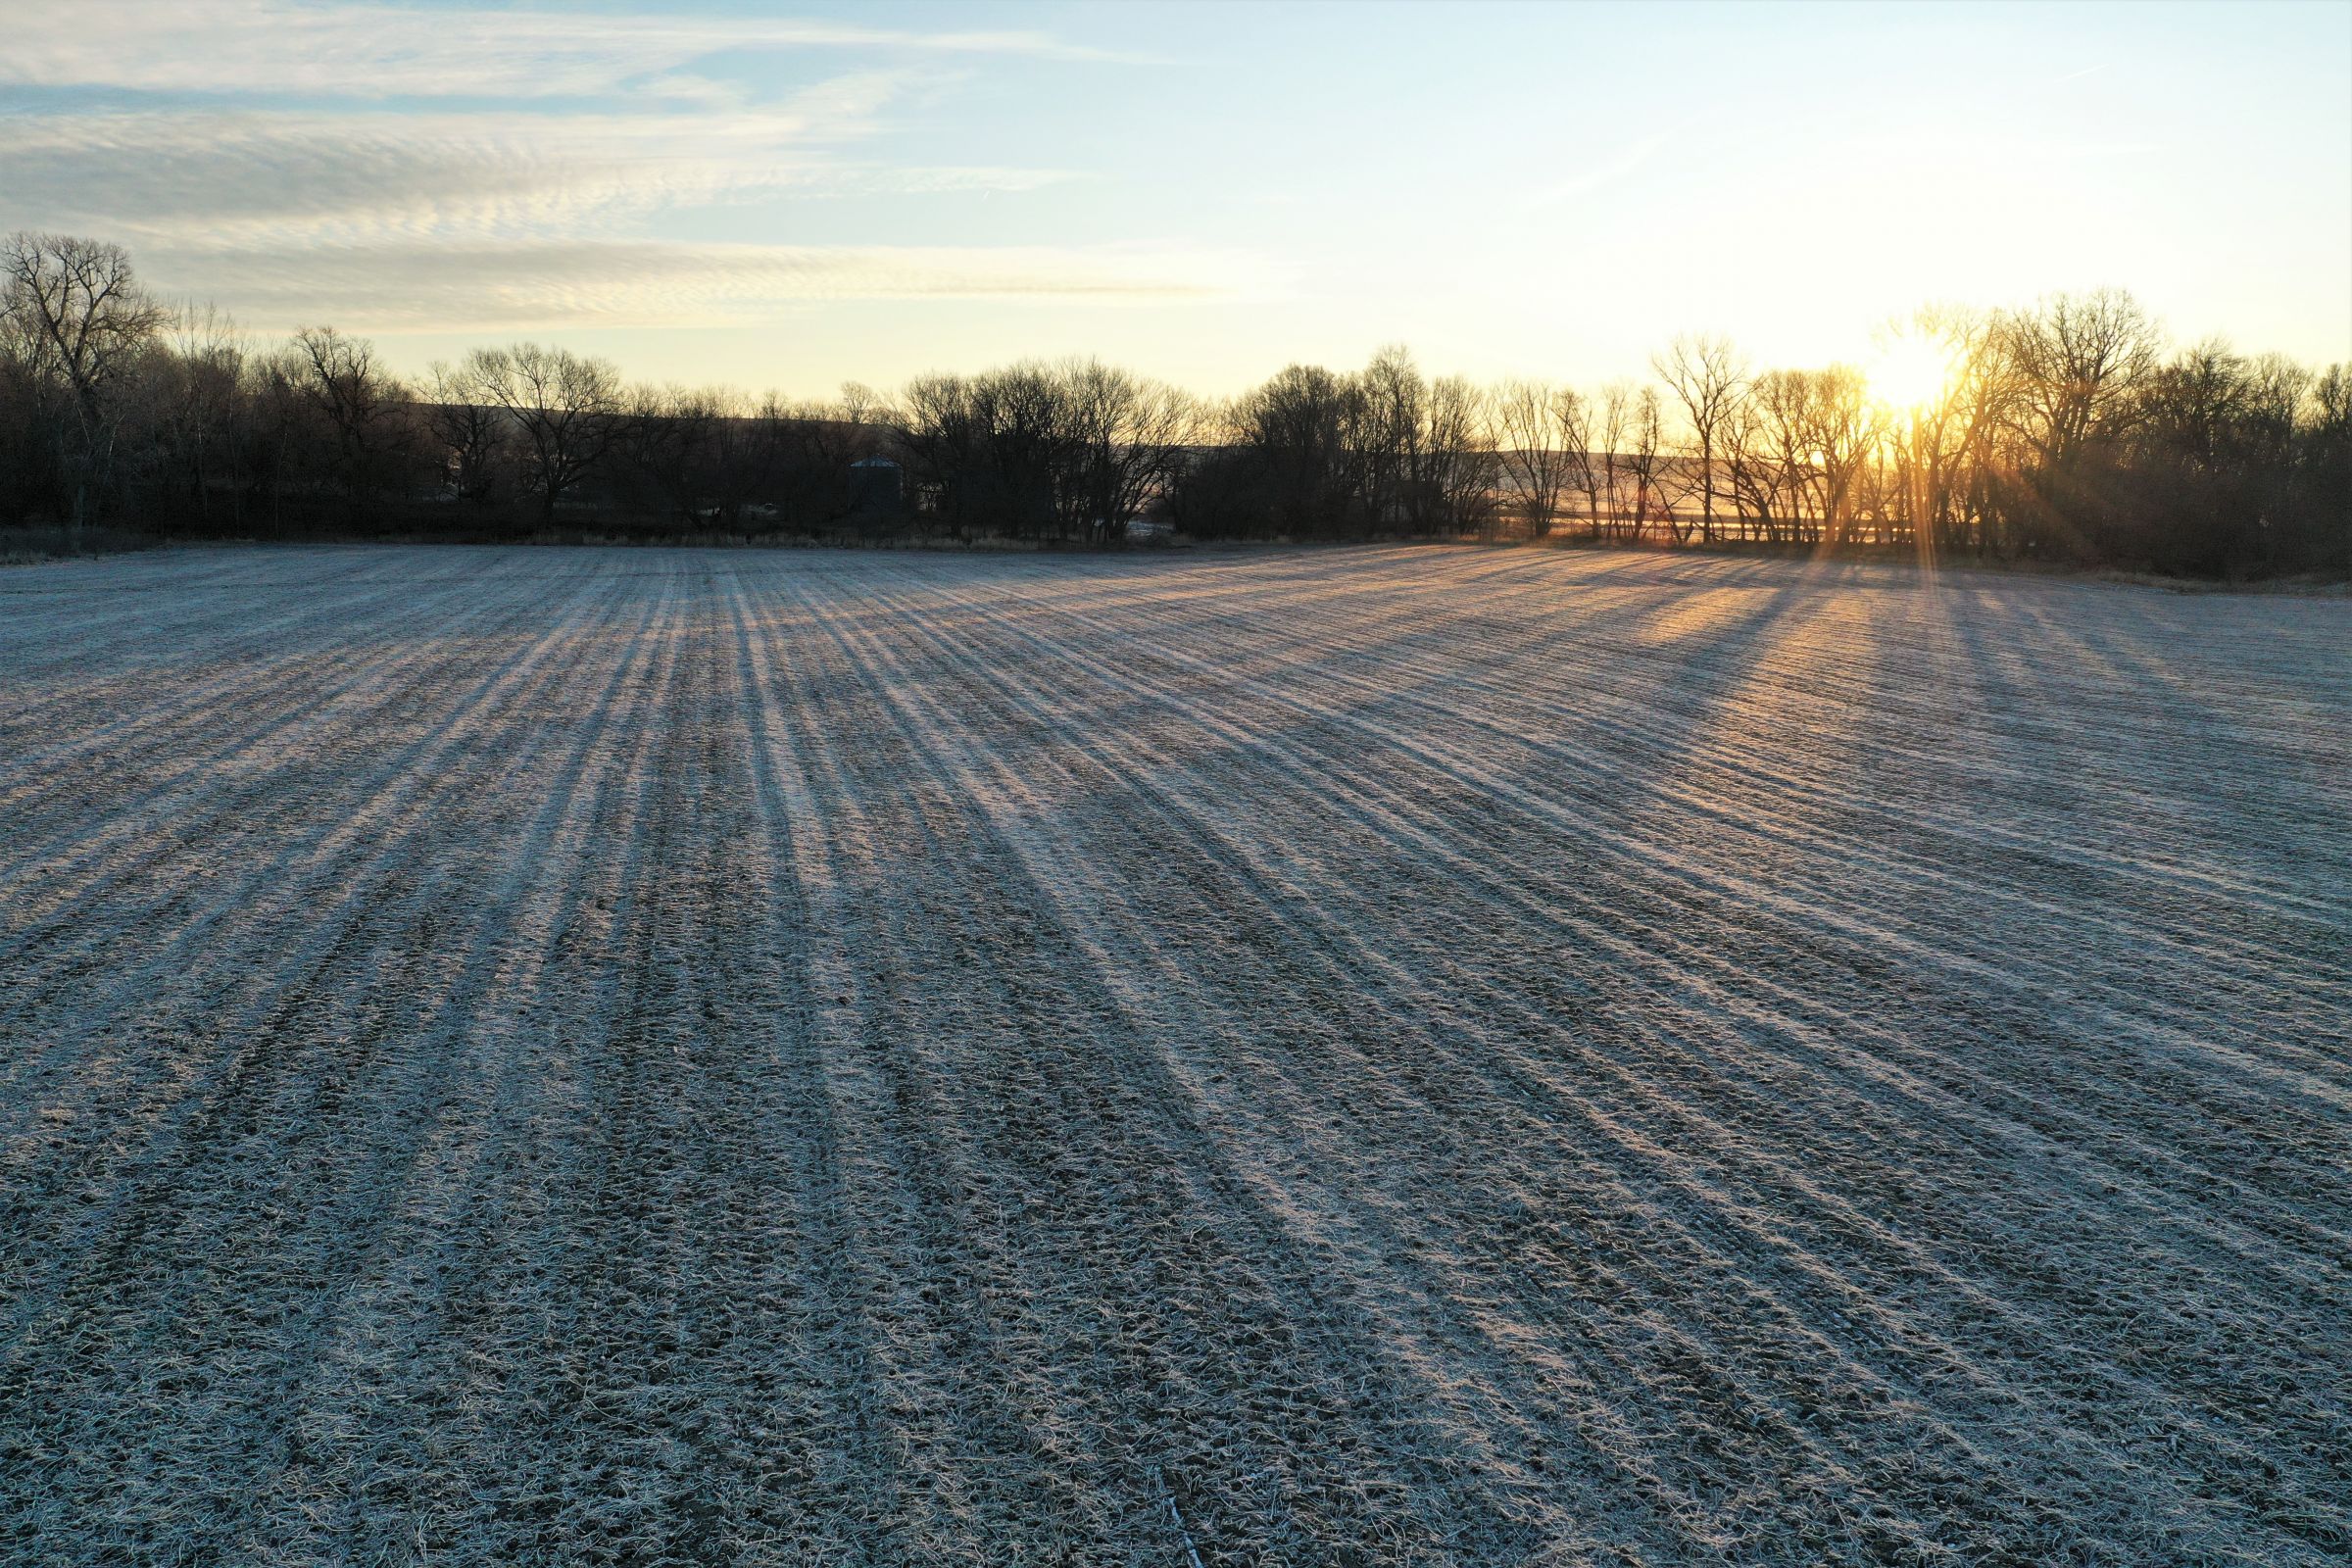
{"type": "Point", "coordinates": [1910, 374]}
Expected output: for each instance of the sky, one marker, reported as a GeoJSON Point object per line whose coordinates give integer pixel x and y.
{"type": "Point", "coordinates": [791, 197]}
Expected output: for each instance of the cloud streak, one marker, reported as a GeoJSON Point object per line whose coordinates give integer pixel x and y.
{"type": "Point", "coordinates": [537, 285]}
{"type": "Point", "coordinates": [304, 178]}
{"type": "Point", "coordinates": [366, 51]}
{"type": "Point", "coordinates": [492, 201]}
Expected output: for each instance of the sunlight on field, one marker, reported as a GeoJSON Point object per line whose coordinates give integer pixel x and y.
{"type": "Point", "coordinates": [1493, 1056]}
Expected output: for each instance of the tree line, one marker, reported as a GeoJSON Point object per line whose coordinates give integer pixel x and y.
{"type": "Point", "coordinates": [2065, 430]}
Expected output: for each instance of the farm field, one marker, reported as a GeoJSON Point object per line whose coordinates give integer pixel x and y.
{"type": "Point", "coordinates": [1374, 1056]}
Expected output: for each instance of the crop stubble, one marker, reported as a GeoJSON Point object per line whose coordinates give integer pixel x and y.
{"type": "Point", "coordinates": [1392, 1055]}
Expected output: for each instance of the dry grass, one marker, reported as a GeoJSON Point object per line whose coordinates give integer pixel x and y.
{"type": "Point", "coordinates": [34, 546]}
{"type": "Point", "coordinates": [1374, 1056]}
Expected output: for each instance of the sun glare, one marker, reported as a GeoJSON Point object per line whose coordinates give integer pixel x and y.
{"type": "Point", "coordinates": [1909, 374]}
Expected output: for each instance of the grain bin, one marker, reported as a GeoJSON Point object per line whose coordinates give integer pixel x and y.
{"type": "Point", "coordinates": [877, 485]}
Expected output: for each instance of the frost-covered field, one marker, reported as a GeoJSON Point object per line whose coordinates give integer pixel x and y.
{"type": "Point", "coordinates": [1389, 1056]}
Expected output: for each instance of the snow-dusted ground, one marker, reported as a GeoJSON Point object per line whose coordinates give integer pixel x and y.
{"type": "Point", "coordinates": [1395, 1056]}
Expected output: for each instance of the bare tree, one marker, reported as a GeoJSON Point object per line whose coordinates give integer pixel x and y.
{"type": "Point", "coordinates": [663, 439]}
{"type": "Point", "coordinates": [1390, 415]}
{"type": "Point", "coordinates": [1707, 377]}
{"type": "Point", "coordinates": [1840, 434]}
{"type": "Point", "coordinates": [739, 457]}
{"type": "Point", "coordinates": [805, 454]}
{"type": "Point", "coordinates": [1292, 463]}
{"type": "Point", "coordinates": [472, 435]}
{"type": "Point", "coordinates": [2062, 428]}
{"type": "Point", "coordinates": [2079, 359]}
{"type": "Point", "coordinates": [981, 448]}
{"type": "Point", "coordinates": [1645, 460]}
{"type": "Point", "coordinates": [280, 418]}
{"type": "Point", "coordinates": [1527, 420]}
{"type": "Point", "coordinates": [77, 320]}
{"type": "Point", "coordinates": [1130, 433]}
{"type": "Point", "coordinates": [1616, 424]}
{"type": "Point", "coordinates": [1762, 480]}
{"type": "Point", "coordinates": [364, 410]}
{"type": "Point", "coordinates": [1453, 467]}
{"type": "Point", "coordinates": [1076, 450]}
{"type": "Point", "coordinates": [565, 408]}
{"type": "Point", "coordinates": [1572, 418]}
{"type": "Point", "coordinates": [1930, 443]}
{"type": "Point", "coordinates": [198, 408]}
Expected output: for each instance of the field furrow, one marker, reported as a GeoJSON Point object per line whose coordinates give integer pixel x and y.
{"type": "Point", "coordinates": [1392, 1055]}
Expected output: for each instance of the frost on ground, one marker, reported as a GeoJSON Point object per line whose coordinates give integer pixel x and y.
{"type": "Point", "coordinates": [1389, 1056]}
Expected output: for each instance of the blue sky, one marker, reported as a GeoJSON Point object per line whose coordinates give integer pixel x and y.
{"type": "Point", "coordinates": [792, 198]}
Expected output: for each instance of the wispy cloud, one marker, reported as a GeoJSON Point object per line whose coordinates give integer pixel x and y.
{"type": "Point", "coordinates": [535, 285]}
{"type": "Point", "coordinates": [317, 177]}
{"type": "Point", "coordinates": [1625, 161]}
{"type": "Point", "coordinates": [498, 200]}
{"type": "Point", "coordinates": [380, 51]}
